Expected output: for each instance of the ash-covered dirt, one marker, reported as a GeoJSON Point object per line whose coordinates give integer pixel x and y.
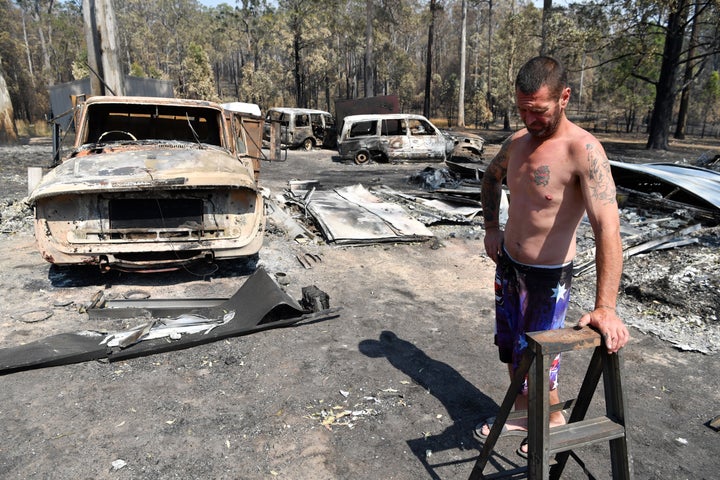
{"type": "Point", "coordinates": [390, 389]}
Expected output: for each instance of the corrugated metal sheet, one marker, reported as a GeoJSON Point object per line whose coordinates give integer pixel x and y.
{"type": "Point", "coordinates": [682, 183]}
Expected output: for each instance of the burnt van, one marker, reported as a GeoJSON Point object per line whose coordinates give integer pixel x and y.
{"type": "Point", "coordinates": [302, 127]}
{"type": "Point", "coordinates": [392, 137]}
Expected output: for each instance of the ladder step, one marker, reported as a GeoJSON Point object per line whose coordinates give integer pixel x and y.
{"type": "Point", "coordinates": [586, 432]}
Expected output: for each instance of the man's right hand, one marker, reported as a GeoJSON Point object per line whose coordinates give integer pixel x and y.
{"type": "Point", "coordinates": [494, 243]}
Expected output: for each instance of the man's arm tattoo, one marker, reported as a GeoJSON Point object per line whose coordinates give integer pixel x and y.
{"type": "Point", "coordinates": [492, 181]}
{"type": "Point", "coordinates": [600, 177]}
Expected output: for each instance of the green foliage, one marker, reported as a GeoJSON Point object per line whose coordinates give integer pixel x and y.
{"type": "Point", "coordinates": [710, 97]}
{"type": "Point", "coordinates": [287, 52]}
{"type": "Point", "coordinates": [197, 79]}
{"type": "Point", "coordinates": [136, 70]}
{"type": "Point", "coordinates": [477, 111]}
{"type": "Point", "coordinates": [517, 41]}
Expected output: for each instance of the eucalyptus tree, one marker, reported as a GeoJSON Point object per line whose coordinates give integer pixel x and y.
{"type": "Point", "coordinates": [65, 49]}
{"type": "Point", "coordinates": [369, 63]}
{"type": "Point", "coordinates": [39, 41]}
{"type": "Point", "coordinates": [350, 23]}
{"type": "Point", "coordinates": [434, 7]}
{"type": "Point", "coordinates": [138, 27]}
{"type": "Point", "coordinates": [40, 11]}
{"type": "Point", "coordinates": [653, 35]}
{"type": "Point", "coordinates": [15, 65]}
{"type": "Point", "coordinates": [301, 18]}
{"type": "Point", "coordinates": [703, 48]}
{"type": "Point", "coordinates": [102, 46]}
{"type": "Point", "coordinates": [546, 29]}
{"type": "Point", "coordinates": [446, 62]}
{"type": "Point", "coordinates": [228, 47]}
{"type": "Point", "coordinates": [674, 19]}
{"type": "Point", "coordinates": [462, 68]}
{"type": "Point", "coordinates": [242, 40]}
{"type": "Point", "coordinates": [666, 84]}
{"type": "Point", "coordinates": [709, 97]}
{"type": "Point", "coordinates": [394, 31]}
{"type": "Point", "coordinates": [517, 40]}
{"type": "Point", "coordinates": [198, 81]}
{"type": "Point", "coordinates": [481, 53]}
{"type": "Point", "coordinates": [690, 66]}
{"type": "Point", "coordinates": [399, 52]}
{"type": "Point", "coordinates": [157, 35]}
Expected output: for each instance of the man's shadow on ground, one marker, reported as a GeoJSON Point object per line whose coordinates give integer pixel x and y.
{"type": "Point", "coordinates": [465, 404]}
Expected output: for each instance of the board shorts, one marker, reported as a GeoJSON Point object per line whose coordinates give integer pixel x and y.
{"type": "Point", "coordinates": [529, 298]}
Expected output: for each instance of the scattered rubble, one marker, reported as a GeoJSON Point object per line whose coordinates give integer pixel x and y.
{"type": "Point", "coordinates": [15, 217]}
{"type": "Point", "coordinates": [671, 281]}
{"type": "Point", "coordinates": [671, 290]}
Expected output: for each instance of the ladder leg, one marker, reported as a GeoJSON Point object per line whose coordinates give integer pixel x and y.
{"type": "Point", "coordinates": [539, 418]}
{"type": "Point", "coordinates": [502, 415]}
{"type": "Point", "coordinates": [616, 407]}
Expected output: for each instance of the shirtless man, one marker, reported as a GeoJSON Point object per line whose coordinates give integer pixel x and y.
{"type": "Point", "coordinates": [556, 172]}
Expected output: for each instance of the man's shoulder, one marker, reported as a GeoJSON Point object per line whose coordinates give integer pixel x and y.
{"type": "Point", "coordinates": [579, 141]}
{"type": "Point", "coordinates": [578, 134]}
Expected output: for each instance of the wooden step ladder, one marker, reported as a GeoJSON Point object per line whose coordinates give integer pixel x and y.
{"type": "Point", "coordinates": [543, 441]}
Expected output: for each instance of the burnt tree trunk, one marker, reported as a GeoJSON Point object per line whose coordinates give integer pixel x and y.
{"type": "Point", "coordinates": [369, 62]}
{"type": "Point", "coordinates": [300, 98]}
{"type": "Point", "coordinates": [687, 79]}
{"type": "Point", "coordinates": [661, 117]}
{"type": "Point", "coordinates": [428, 66]}
{"type": "Point", "coordinates": [547, 10]}
{"type": "Point", "coordinates": [463, 41]}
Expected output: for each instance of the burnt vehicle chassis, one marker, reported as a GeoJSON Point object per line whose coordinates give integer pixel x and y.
{"type": "Point", "coordinates": [153, 184]}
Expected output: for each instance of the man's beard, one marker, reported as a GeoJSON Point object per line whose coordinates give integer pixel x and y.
{"type": "Point", "coordinates": [546, 130]}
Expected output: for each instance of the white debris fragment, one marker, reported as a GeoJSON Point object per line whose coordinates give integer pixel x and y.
{"type": "Point", "coordinates": [118, 464]}
{"type": "Point", "coordinates": [173, 328]}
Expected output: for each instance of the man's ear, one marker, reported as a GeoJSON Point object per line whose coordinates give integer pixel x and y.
{"type": "Point", "coordinates": [565, 97]}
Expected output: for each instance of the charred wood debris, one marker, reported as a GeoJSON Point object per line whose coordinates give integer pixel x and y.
{"type": "Point", "coordinates": [671, 289]}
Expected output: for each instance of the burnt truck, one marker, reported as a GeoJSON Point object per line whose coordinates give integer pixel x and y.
{"type": "Point", "coordinates": [153, 184]}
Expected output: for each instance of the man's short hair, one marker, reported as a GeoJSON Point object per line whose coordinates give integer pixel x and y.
{"type": "Point", "coordinates": [539, 71]}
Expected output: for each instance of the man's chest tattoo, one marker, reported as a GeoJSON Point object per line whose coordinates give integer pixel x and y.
{"type": "Point", "coordinates": [542, 176]}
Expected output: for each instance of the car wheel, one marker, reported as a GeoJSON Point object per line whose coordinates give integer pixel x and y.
{"type": "Point", "coordinates": [361, 157]}
{"type": "Point", "coordinates": [308, 144]}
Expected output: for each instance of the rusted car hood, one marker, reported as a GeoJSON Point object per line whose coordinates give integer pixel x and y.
{"type": "Point", "coordinates": [131, 168]}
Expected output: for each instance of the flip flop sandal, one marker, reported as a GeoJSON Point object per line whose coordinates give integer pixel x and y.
{"type": "Point", "coordinates": [520, 451]}
{"type": "Point", "coordinates": [504, 432]}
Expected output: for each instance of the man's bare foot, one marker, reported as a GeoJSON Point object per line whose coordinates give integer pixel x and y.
{"type": "Point", "coordinates": [556, 419]}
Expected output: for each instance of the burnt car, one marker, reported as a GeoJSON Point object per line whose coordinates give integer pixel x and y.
{"type": "Point", "coordinates": [302, 127]}
{"type": "Point", "coordinates": [153, 184]}
{"type": "Point", "coordinates": [392, 137]}
{"type": "Point", "coordinates": [466, 142]}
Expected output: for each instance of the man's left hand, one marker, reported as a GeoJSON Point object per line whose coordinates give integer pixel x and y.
{"type": "Point", "coordinates": [614, 332]}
